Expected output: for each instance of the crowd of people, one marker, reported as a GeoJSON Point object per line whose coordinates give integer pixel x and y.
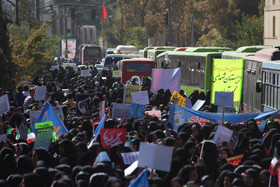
{"type": "Point", "coordinates": [69, 160]}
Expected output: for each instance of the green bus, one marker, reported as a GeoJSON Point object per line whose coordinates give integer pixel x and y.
{"type": "Point", "coordinates": [196, 66]}
{"type": "Point", "coordinates": [153, 53]}
{"type": "Point", "coordinates": [243, 52]}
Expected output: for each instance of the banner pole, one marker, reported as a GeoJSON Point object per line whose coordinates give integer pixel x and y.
{"type": "Point", "coordinates": [269, 182]}
{"type": "Point", "coordinates": [135, 116]}
{"type": "Point", "coordinates": [223, 114]}
{"type": "Point", "coordinates": [201, 151]}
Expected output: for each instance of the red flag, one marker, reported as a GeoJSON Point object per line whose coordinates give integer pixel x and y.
{"type": "Point", "coordinates": [110, 137]}
{"type": "Point", "coordinates": [104, 14]}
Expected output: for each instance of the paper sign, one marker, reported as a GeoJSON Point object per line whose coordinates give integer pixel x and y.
{"type": "Point", "coordinates": [43, 127]}
{"type": "Point", "coordinates": [40, 93]}
{"type": "Point", "coordinates": [121, 111]}
{"type": "Point", "coordinates": [155, 156]}
{"type": "Point", "coordinates": [222, 134]}
{"type": "Point", "coordinates": [4, 104]}
{"type": "Point", "coordinates": [23, 129]}
{"type": "Point", "coordinates": [224, 98]}
{"type": "Point", "coordinates": [227, 76]}
{"type": "Point", "coordinates": [177, 99]}
{"type": "Point", "coordinates": [128, 90]}
{"type": "Point", "coordinates": [56, 67]}
{"type": "Point", "coordinates": [131, 168]}
{"type": "Point", "coordinates": [117, 74]}
{"type": "Point", "coordinates": [199, 103]}
{"type": "Point", "coordinates": [188, 103]}
{"type": "Point", "coordinates": [129, 158]}
{"type": "Point", "coordinates": [43, 140]}
{"type": "Point", "coordinates": [58, 111]}
{"type": "Point", "coordinates": [136, 108]}
{"type": "Point", "coordinates": [85, 73]}
{"type": "Point", "coordinates": [110, 137]}
{"type": "Point", "coordinates": [34, 115]}
{"type": "Point", "coordinates": [141, 98]}
{"type": "Point", "coordinates": [156, 113]}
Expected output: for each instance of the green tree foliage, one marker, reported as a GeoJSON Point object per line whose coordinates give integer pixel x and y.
{"type": "Point", "coordinates": [29, 55]}
{"type": "Point", "coordinates": [7, 69]}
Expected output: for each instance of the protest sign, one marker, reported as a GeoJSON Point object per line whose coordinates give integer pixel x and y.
{"type": "Point", "coordinates": [4, 104]}
{"type": "Point", "coordinates": [56, 67]}
{"type": "Point", "coordinates": [34, 115]}
{"type": "Point", "coordinates": [222, 134]}
{"type": "Point", "coordinates": [227, 76]}
{"type": "Point", "coordinates": [117, 74]}
{"type": "Point", "coordinates": [128, 90]}
{"type": "Point", "coordinates": [177, 99]}
{"type": "Point", "coordinates": [224, 99]}
{"type": "Point", "coordinates": [84, 105]}
{"type": "Point", "coordinates": [155, 156]}
{"type": "Point", "coordinates": [43, 139]}
{"type": "Point", "coordinates": [43, 127]}
{"type": "Point", "coordinates": [179, 115]}
{"type": "Point", "coordinates": [141, 98]}
{"type": "Point", "coordinates": [85, 73]}
{"type": "Point", "coordinates": [199, 103]}
{"type": "Point", "coordinates": [137, 111]}
{"type": "Point", "coordinates": [130, 157]}
{"type": "Point", "coordinates": [121, 111]}
{"type": "Point", "coordinates": [110, 137]}
{"type": "Point", "coordinates": [40, 93]}
{"type": "Point", "coordinates": [156, 113]}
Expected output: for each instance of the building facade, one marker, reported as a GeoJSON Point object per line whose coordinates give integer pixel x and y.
{"type": "Point", "coordinates": [272, 22]}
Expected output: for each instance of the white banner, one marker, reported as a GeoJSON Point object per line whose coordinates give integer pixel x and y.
{"type": "Point", "coordinates": [141, 98]}
{"type": "Point", "coordinates": [121, 111]}
{"type": "Point", "coordinates": [155, 156]}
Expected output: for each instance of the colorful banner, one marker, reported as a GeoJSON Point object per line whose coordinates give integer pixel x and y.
{"type": "Point", "coordinates": [43, 127]}
{"type": "Point", "coordinates": [166, 79]}
{"type": "Point", "coordinates": [227, 76]}
{"type": "Point", "coordinates": [48, 114]}
{"type": "Point", "coordinates": [110, 137]}
{"type": "Point", "coordinates": [179, 115]}
{"type": "Point", "coordinates": [236, 160]}
{"type": "Point", "coordinates": [177, 99]}
{"type": "Point", "coordinates": [128, 90]}
{"type": "Point", "coordinates": [156, 113]}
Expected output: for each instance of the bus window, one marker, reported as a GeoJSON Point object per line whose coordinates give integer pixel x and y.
{"type": "Point", "coordinates": [92, 51]}
{"type": "Point", "coordinates": [138, 67]}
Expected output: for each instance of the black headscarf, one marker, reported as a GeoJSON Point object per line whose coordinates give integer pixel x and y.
{"type": "Point", "coordinates": [98, 180]}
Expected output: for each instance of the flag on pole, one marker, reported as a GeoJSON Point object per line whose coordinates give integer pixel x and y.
{"type": "Point", "coordinates": [48, 114]}
{"type": "Point", "coordinates": [141, 181]}
{"type": "Point", "coordinates": [104, 14]}
{"type": "Point", "coordinates": [97, 131]}
{"type": "Point", "coordinates": [273, 162]}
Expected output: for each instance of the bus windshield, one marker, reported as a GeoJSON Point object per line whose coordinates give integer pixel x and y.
{"type": "Point", "coordinates": [138, 67]}
{"type": "Point", "coordinates": [92, 51]}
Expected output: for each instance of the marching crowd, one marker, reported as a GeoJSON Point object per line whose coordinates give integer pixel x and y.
{"type": "Point", "coordinates": [69, 160]}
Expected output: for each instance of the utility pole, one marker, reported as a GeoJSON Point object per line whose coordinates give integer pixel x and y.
{"type": "Point", "coordinates": [165, 22]}
{"type": "Point", "coordinates": [192, 32]}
